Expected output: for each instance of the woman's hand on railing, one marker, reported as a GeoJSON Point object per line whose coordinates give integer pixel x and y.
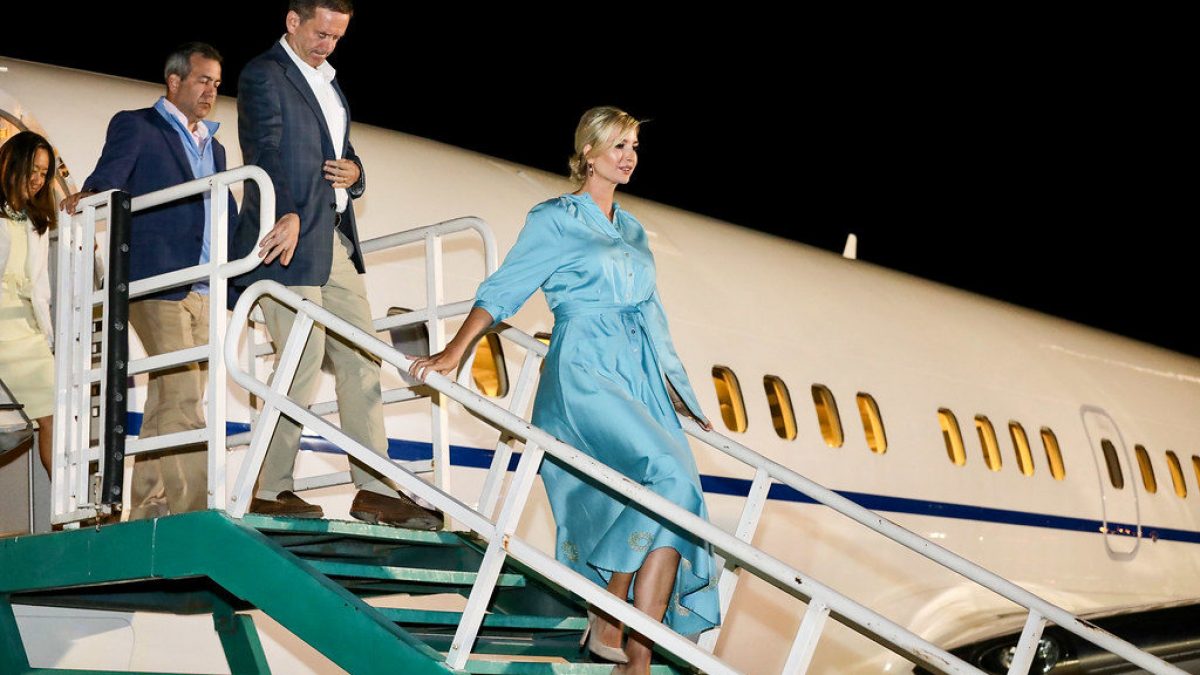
{"type": "Point", "coordinates": [447, 360]}
{"type": "Point", "coordinates": [444, 362]}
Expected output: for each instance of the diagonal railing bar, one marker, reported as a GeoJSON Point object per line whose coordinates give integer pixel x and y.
{"type": "Point", "coordinates": [765, 566]}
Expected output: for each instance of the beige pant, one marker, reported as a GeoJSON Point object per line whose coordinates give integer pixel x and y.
{"type": "Point", "coordinates": [174, 402]}
{"type": "Point", "coordinates": [356, 376]}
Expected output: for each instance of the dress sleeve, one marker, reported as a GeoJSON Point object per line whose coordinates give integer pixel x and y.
{"type": "Point", "coordinates": [536, 255]}
{"type": "Point", "coordinates": [664, 347]}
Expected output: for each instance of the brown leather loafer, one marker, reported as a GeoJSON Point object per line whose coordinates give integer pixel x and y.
{"type": "Point", "coordinates": [400, 511]}
{"type": "Point", "coordinates": [286, 503]}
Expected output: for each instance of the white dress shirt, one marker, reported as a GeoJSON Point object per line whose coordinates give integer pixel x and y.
{"type": "Point", "coordinates": [321, 81]}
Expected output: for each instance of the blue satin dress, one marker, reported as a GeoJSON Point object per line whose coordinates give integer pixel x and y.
{"type": "Point", "coordinates": [603, 390]}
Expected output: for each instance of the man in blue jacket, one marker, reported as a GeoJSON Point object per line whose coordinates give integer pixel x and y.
{"type": "Point", "coordinates": [294, 123]}
{"type": "Point", "coordinates": [147, 150]}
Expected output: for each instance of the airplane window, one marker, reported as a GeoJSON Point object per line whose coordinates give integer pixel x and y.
{"type": "Point", "coordinates": [827, 416]}
{"type": "Point", "coordinates": [1176, 474]}
{"type": "Point", "coordinates": [729, 396]}
{"type": "Point", "coordinates": [1115, 475]}
{"type": "Point", "coordinates": [1053, 454]}
{"type": "Point", "coordinates": [411, 339]}
{"type": "Point", "coordinates": [988, 442]}
{"type": "Point", "coordinates": [491, 377]}
{"type": "Point", "coordinates": [1196, 466]}
{"type": "Point", "coordinates": [952, 436]}
{"type": "Point", "coordinates": [872, 423]}
{"type": "Point", "coordinates": [1021, 447]}
{"type": "Point", "coordinates": [783, 417]}
{"type": "Point", "coordinates": [1148, 478]}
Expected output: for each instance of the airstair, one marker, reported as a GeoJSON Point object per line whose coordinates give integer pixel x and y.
{"type": "Point", "coordinates": [524, 612]}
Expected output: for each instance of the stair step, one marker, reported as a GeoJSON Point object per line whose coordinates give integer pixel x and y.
{"type": "Point", "coordinates": [512, 621]}
{"type": "Point", "coordinates": [562, 645]}
{"type": "Point", "coordinates": [411, 574]}
{"type": "Point", "coordinates": [272, 524]}
{"type": "Point", "coordinates": [482, 667]}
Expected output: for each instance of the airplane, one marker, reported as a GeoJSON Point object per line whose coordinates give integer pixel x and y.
{"type": "Point", "coordinates": [1064, 458]}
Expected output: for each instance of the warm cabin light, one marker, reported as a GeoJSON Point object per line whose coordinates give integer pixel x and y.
{"type": "Point", "coordinates": [1021, 447]}
{"type": "Point", "coordinates": [488, 371]}
{"type": "Point", "coordinates": [783, 417]}
{"type": "Point", "coordinates": [729, 396]}
{"type": "Point", "coordinates": [1176, 474]}
{"type": "Point", "coordinates": [988, 442]}
{"type": "Point", "coordinates": [872, 423]}
{"type": "Point", "coordinates": [1053, 454]}
{"type": "Point", "coordinates": [1148, 479]}
{"type": "Point", "coordinates": [827, 416]}
{"type": "Point", "coordinates": [952, 436]}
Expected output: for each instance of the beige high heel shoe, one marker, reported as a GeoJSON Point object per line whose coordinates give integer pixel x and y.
{"type": "Point", "coordinates": [591, 639]}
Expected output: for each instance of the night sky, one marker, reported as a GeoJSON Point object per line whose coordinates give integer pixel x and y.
{"type": "Point", "coordinates": [1035, 161]}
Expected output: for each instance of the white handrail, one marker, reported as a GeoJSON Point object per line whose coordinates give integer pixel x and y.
{"type": "Point", "coordinates": [915, 542]}
{"type": "Point", "coordinates": [769, 568]}
{"type": "Point", "coordinates": [71, 498]}
{"type": "Point", "coordinates": [820, 597]}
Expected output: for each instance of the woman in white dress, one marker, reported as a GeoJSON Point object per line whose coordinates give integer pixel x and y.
{"type": "Point", "coordinates": [26, 212]}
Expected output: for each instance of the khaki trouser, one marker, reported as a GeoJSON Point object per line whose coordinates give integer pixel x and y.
{"type": "Point", "coordinates": [174, 402]}
{"type": "Point", "coordinates": [356, 376]}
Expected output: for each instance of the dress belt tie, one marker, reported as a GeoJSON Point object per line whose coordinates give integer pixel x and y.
{"type": "Point", "coordinates": [568, 310]}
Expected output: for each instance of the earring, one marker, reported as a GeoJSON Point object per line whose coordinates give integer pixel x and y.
{"type": "Point", "coordinates": [591, 169]}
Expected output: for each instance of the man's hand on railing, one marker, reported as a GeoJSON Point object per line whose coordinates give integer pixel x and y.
{"type": "Point", "coordinates": [280, 242]}
{"type": "Point", "coordinates": [71, 204]}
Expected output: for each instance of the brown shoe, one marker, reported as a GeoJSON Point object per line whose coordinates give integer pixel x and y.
{"type": "Point", "coordinates": [286, 503]}
{"type": "Point", "coordinates": [377, 509]}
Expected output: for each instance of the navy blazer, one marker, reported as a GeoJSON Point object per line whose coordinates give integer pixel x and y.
{"type": "Point", "coordinates": [143, 153]}
{"type": "Point", "coordinates": [283, 131]}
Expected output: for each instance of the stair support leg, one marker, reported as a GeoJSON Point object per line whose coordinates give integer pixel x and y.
{"type": "Point", "coordinates": [239, 639]}
{"type": "Point", "coordinates": [13, 658]}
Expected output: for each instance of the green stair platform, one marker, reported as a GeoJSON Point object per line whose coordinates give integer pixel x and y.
{"type": "Point", "coordinates": [314, 577]}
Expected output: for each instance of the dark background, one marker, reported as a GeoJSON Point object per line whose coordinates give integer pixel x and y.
{"type": "Point", "coordinates": [1033, 159]}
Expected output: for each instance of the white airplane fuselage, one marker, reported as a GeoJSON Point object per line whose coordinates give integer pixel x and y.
{"type": "Point", "coordinates": [761, 305]}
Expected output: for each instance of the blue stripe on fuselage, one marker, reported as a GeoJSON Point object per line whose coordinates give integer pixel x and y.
{"type": "Point", "coordinates": [480, 458]}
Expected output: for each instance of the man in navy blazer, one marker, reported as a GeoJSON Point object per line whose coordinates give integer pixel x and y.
{"type": "Point", "coordinates": [147, 150]}
{"type": "Point", "coordinates": [294, 123]}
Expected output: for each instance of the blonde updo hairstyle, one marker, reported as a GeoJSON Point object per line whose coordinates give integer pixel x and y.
{"type": "Point", "coordinates": [602, 128]}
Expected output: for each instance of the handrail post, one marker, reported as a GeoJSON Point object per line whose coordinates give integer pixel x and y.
{"type": "Point", "coordinates": [1031, 635]}
{"type": "Point", "coordinates": [268, 419]}
{"type": "Point", "coordinates": [115, 360]}
{"type": "Point", "coordinates": [439, 413]}
{"type": "Point", "coordinates": [493, 559]}
{"type": "Point", "coordinates": [805, 644]}
{"type": "Point", "coordinates": [522, 392]}
{"type": "Point", "coordinates": [218, 320]}
{"type": "Point", "coordinates": [756, 502]}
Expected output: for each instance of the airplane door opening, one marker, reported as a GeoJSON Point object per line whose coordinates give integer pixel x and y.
{"type": "Point", "coordinates": [1118, 483]}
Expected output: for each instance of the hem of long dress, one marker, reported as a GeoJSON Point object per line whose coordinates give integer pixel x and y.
{"type": "Point", "coordinates": [691, 612]}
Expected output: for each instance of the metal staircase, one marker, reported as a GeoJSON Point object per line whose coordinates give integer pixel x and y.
{"type": "Point", "coordinates": [316, 577]}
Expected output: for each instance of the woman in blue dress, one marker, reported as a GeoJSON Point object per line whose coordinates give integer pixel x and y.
{"type": "Point", "coordinates": [607, 388]}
